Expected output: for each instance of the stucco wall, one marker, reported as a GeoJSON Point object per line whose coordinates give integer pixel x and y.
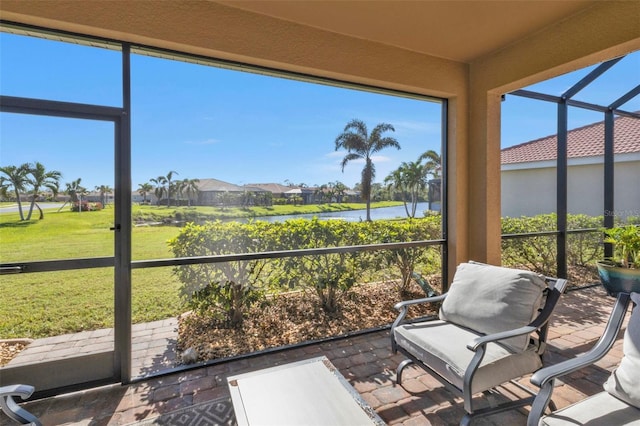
{"type": "Point", "coordinates": [532, 191]}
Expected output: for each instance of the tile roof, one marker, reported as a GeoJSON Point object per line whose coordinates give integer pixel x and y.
{"type": "Point", "coordinates": [587, 141]}
{"type": "Point", "coordinates": [218, 185]}
{"type": "Point", "coordinates": [276, 188]}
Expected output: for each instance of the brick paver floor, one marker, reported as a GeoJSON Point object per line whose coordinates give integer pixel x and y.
{"type": "Point", "coordinates": [367, 363]}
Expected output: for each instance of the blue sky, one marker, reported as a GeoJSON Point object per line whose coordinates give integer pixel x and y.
{"type": "Point", "coordinates": [206, 122]}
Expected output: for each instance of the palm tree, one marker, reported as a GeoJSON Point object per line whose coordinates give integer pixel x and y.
{"type": "Point", "coordinates": [144, 189]}
{"type": "Point", "coordinates": [16, 178]}
{"type": "Point", "coordinates": [168, 178]}
{"type": "Point", "coordinates": [433, 164]}
{"type": "Point", "coordinates": [433, 167]}
{"type": "Point", "coordinates": [104, 190]}
{"type": "Point", "coordinates": [190, 187]}
{"type": "Point", "coordinates": [415, 179]}
{"type": "Point", "coordinates": [396, 182]}
{"type": "Point", "coordinates": [360, 145]}
{"type": "Point", "coordinates": [39, 177]}
{"type": "Point", "coordinates": [75, 191]}
{"type": "Point", "coordinates": [340, 190]}
{"type": "Point", "coordinates": [160, 189]}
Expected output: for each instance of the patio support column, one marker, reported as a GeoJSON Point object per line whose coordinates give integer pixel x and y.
{"type": "Point", "coordinates": [484, 228]}
{"type": "Point", "coordinates": [609, 184]}
{"type": "Point", "coordinates": [561, 190]}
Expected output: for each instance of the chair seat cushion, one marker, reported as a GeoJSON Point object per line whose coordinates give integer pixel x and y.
{"type": "Point", "coordinates": [442, 346]}
{"type": "Point", "coordinates": [624, 382]}
{"type": "Point", "coordinates": [490, 299]}
{"type": "Point", "coordinates": [601, 409]}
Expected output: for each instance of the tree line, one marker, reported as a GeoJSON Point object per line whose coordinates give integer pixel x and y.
{"type": "Point", "coordinates": [31, 178]}
{"type": "Point", "coordinates": [408, 182]}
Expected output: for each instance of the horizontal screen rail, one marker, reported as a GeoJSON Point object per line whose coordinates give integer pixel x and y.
{"type": "Point", "coordinates": [103, 262]}
{"type": "Point", "coordinates": [548, 233]}
{"type": "Point", "coordinates": [280, 254]}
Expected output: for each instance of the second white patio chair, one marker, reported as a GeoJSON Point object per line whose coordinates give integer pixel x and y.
{"type": "Point", "coordinates": [491, 329]}
{"type": "Point", "coordinates": [619, 402]}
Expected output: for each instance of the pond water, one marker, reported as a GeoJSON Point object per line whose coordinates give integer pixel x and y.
{"type": "Point", "coordinates": [352, 215]}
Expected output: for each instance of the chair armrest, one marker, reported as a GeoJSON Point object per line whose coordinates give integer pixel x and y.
{"type": "Point", "coordinates": [23, 391]}
{"type": "Point", "coordinates": [483, 340]}
{"type": "Point", "coordinates": [405, 303]}
{"type": "Point", "coordinates": [403, 308]}
{"type": "Point", "coordinates": [12, 409]}
{"type": "Point", "coordinates": [604, 344]}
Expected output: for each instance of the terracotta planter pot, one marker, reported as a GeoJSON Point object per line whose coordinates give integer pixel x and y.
{"type": "Point", "coordinates": [616, 279]}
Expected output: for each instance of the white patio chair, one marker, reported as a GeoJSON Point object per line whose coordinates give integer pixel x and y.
{"type": "Point", "coordinates": [491, 329]}
{"type": "Point", "coordinates": [619, 403]}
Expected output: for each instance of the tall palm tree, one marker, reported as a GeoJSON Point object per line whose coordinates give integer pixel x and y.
{"type": "Point", "coordinates": [362, 145]}
{"type": "Point", "coordinates": [433, 167]}
{"type": "Point", "coordinates": [168, 177]}
{"type": "Point", "coordinates": [15, 177]}
{"type": "Point", "coordinates": [395, 182]}
{"type": "Point", "coordinates": [415, 178]}
{"type": "Point", "coordinates": [144, 189]}
{"type": "Point", "coordinates": [160, 189]}
{"type": "Point", "coordinates": [433, 164]}
{"type": "Point", "coordinates": [190, 187]}
{"type": "Point", "coordinates": [39, 177]}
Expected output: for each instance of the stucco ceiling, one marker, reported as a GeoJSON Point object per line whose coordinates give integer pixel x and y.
{"type": "Point", "coordinates": [462, 31]}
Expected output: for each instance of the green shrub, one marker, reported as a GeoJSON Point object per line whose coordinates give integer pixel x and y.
{"type": "Point", "coordinates": [227, 289]}
{"type": "Point", "coordinates": [539, 252]}
{"type": "Point", "coordinates": [231, 286]}
{"type": "Point", "coordinates": [331, 275]}
{"type": "Point", "coordinates": [407, 259]}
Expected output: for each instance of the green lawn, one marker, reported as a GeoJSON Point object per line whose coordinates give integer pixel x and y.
{"type": "Point", "coordinates": [50, 303]}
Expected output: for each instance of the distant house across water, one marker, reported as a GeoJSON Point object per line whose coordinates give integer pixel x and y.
{"type": "Point", "coordinates": [528, 172]}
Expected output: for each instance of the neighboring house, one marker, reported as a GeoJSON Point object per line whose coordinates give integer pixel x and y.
{"type": "Point", "coordinates": [528, 172]}
{"type": "Point", "coordinates": [306, 194]}
{"type": "Point", "coordinates": [136, 197]}
{"type": "Point", "coordinates": [214, 192]}
{"type": "Point", "coordinates": [276, 189]}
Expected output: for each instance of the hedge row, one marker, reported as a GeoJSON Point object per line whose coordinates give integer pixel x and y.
{"type": "Point", "coordinates": [227, 289]}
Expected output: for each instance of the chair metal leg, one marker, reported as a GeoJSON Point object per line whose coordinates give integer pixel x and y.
{"type": "Point", "coordinates": [401, 367]}
{"type": "Point", "coordinates": [12, 409]}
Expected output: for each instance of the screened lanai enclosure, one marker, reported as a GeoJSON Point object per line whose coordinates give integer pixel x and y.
{"type": "Point", "coordinates": [608, 145]}
{"type": "Point", "coordinates": [114, 130]}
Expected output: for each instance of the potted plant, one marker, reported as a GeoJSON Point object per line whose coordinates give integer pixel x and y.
{"type": "Point", "coordinates": [621, 272]}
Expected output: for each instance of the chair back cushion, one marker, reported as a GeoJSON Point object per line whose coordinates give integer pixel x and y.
{"type": "Point", "coordinates": [489, 299]}
{"type": "Point", "coordinates": [624, 382]}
